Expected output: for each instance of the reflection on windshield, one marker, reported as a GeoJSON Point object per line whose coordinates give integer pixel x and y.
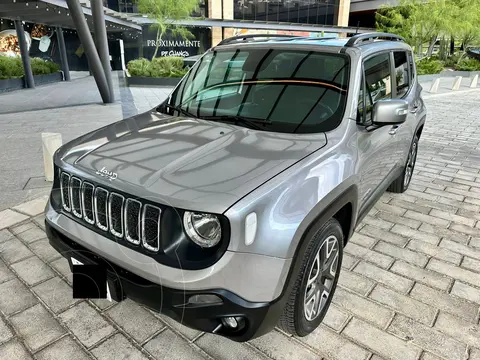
{"type": "Point", "coordinates": [292, 91]}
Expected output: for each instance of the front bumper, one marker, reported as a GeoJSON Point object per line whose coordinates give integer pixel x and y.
{"type": "Point", "coordinates": [259, 317]}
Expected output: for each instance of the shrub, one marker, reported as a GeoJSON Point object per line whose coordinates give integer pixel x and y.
{"type": "Point", "coordinates": [452, 60]}
{"type": "Point", "coordinates": [429, 66]}
{"type": "Point", "coordinates": [468, 64]}
{"type": "Point", "coordinates": [12, 67]}
{"type": "Point", "coordinates": [168, 66]}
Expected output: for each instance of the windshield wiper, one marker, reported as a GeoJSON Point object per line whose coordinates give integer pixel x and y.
{"type": "Point", "coordinates": [180, 110]}
{"type": "Point", "coordinates": [251, 122]}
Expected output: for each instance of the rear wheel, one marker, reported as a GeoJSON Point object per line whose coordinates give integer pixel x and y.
{"type": "Point", "coordinates": [400, 185]}
{"type": "Point", "coordinates": [316, 282]}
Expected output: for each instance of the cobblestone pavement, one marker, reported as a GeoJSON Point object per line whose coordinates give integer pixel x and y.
{"type": "Point", "coordinates": [409, 288]}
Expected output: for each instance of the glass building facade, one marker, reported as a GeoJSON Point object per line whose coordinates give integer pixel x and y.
{"type": "Point", "coordinates": [324, 12]}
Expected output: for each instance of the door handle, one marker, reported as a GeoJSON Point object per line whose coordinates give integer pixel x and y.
{"type": "Point", "coordinates": [414, 109]}
{"type": "Point", "coordinates": [393, 130]}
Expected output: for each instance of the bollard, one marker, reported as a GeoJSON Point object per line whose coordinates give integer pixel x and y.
{"type": "Point", "coordinates": [435, 85]}
{"type": "Point", "coordinates": [457, 83]}
{"type": "Point", "coordinates": [474, 81]}
{"type": "Point", "coordinates": [50, 143]}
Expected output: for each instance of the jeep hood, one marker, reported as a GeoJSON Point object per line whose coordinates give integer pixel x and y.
{"type": "Point", "coordinates": [184, 162]}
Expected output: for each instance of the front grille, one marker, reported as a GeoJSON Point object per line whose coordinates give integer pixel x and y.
{"type": "Point", "coordinates": [125, 218]}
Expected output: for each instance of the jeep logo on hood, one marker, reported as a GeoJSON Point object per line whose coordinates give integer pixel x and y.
{"type": "Point", "coordinates": [108, 174]}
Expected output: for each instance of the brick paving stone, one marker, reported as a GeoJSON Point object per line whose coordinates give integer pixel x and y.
{"type": "Point", "coordinates": [460, 248]}
{"type": "Point", "coordinates": [61, 265]}
{"type": "Point", "coordinates": [5, 332]}
{"type": "Point", "coordinates": [467, 276]}
{"type": "Point", "coordinates": [362, 307]}
{"type": "Point", "coordinates": [280, 347]}
{"type": "Point", "coordinates": [390, 209]}
{"type": "Point", "coordinates": [406, 205]}
{"type": "Point", "coordinates": [475, 242]}
{"type": "Point", "coordinates": [421, 275]}
{"type": "Point", "coordinates": [5, 235]}
{"type": "Point", "coordinates": [378, 223]}
{"type": "Point", "coordinates": [64, 349]}
{"type": "Point", "coordinates": [14, 350]}
{"type": "Point", "coordinates": [466, 292]}
{"type": "Point", "coordinates": [9, 218]}
{"type": "Point", "coordinates": [5, 273]}
{"type": "Point", "coordinates": [465, 229]}
{"type": "Point", "coordinates": [37, 327]}
{"type": "Point", "coordinates": [14, 297]}
{"type": "Point", "coordinates": [435, 251]}
{"type": "Point", "coordinates": [18, 229]}
{"type": "Point", "coordinates": [355, 282]}
{"type": "Point", "coordinates": [381, 260]}
{"type": "Point", "coordinates": [56, 294]}
{"type": "Point", "coordinates": [119, 348]}
{"type": "Point", "coordinates": [13, 250]}
{"type": "Point", "coordinates": [384, 277]}
{"type": "Point", "coordinates": [44, 250]}
{"type": "Point", "coordinates": [404, 304]}
{"type": "Point", "coordinates": [33, 270]}
{"type": "Point", "coordinates": [189, 333]}
{"type": "Point", "coordinates": [429, 356]}
{"type": "Point", "coordinates": [348, 261]}
{"type": "Point", "coordinates": [334, 346]}
{"type": "Point", "coordinates": [33, 207]}
{"type": "Point", "coordinates": [383, 235]}
{"type": "Point", "coordinates": [380, 341]}
{"type": "Point", "coordinates": [471, 264]}
{"type": "Point", "coordinates": [168, 345]}
{"type": "Point", "coordinates": [416, 234]}
{"type": "Point", "coordinates": [135, 320]}
{"type": "Point", "coordinates": [426, 337]}
{"type": "Point", "coordinates": [444, 233]}
{"type": "Point", "coordinates": [445, 302]}
{"type": "Point", "coordinates": [31, 235]}
{"type": "Point", "coordinates": [225, 349]}
{"type": "Point", "coordinates": [426, 218]}
{"type": "Point", "coordinates": [363, 240]}
{"type": "Point", "coordinates": [400, 253]}
{"type": "Point", "coordinates": [86, 324]}
{"type": "Point", "coordinates": [399, 220]}
{"type": "Point", "coordinates": [458, 329]}
{"type": "Point", "coordinates": [335, 317]}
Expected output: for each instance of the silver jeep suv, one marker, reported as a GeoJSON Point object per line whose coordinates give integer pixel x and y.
{"type": "Point", "coordinates": [228, 206]}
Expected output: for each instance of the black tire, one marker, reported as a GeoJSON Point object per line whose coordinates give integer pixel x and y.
{"type": "Point", "coordinates": [401, 184]}
{"type": "Point", "coordinates": [294, 318]}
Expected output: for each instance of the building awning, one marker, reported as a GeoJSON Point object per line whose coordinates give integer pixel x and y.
{"type": "Point", "coordinates": [262, 25]}
{"type": "Point", "coordinates": [56, 13]}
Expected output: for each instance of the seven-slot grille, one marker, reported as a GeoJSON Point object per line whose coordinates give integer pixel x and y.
{"type": "Point", "coordinates": [125, 218]}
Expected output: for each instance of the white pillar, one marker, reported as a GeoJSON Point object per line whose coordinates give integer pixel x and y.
{"type": "Point", "coordinates": [457, 83]}
{"type": "Point", "coordinates": [122, 54]}
{"type": "Point", "coordinates": [50, 143]}
{"type": "Point", "coordinates": [474, 81]}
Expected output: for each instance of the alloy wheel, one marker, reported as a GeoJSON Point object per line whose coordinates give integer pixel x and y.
{"type": "Point", "coordinates": [410, 164]}
{"type": "Point", "coordinates": [321, 278]}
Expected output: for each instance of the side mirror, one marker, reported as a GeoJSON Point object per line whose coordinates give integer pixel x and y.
{"type": "Point", "coordinates": [390, 112]}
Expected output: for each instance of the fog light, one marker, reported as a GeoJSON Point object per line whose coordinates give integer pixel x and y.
{"type": "Point", "coordinates": [230, 322]}
{"type": "Point", "coordinates": [205, 299]}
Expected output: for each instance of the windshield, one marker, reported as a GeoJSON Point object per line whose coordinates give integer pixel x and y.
{"type": "Point", "coordinates": [283, 90]}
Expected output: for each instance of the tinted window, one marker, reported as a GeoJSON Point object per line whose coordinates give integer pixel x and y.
{"type": "Point", "coordinates": [377, 74]}
{"type": "Point", "coordinates": [294, 91]}
{"type": "Point", "coordinates": [401, 73]}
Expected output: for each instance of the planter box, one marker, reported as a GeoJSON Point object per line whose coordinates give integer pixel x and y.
{"type": "Point", "coordinates": [148, 81]}
{"type": "Point", "coordinates": [19, 83]}
{"type": "Point", "coordinates": [11, 84]}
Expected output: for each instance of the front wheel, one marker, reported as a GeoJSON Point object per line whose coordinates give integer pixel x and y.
{"type": "Point", "coordinates": [316, 282]}
{"type": "Point", "coordinates": [400, 184]}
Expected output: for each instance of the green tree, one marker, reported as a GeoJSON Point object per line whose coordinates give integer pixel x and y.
{"type": "Point", "coordinates": [165, 13]}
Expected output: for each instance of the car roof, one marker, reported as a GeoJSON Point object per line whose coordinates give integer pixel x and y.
{"type": "Point", "coordinates": [366, 43]}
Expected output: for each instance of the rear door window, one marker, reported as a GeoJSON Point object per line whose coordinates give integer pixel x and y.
{"type": "Point", "coordinates": [402, 76]}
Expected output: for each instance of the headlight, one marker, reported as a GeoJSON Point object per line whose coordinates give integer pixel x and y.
{"type": "Point", "coordinates": [203, 229]}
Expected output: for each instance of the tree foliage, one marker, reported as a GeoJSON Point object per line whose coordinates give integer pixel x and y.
{"type": "Point", "coordinates": [165, 13]}
{"type": "Point", "coordinates": [426, 21]}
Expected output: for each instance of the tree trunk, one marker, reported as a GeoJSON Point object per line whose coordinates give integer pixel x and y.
{"type": "Point", "coordinates": [157, 43]}
{"type": "Point", "coordinates": [452, 46]}
{"type": "Point", "coordinates": [433, 40]}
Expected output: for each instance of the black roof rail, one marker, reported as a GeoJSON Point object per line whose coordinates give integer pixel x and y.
{"type": "Point", "coordinates": [354, 40]}
{"type": "Point", "coordinates": [247, 37]}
